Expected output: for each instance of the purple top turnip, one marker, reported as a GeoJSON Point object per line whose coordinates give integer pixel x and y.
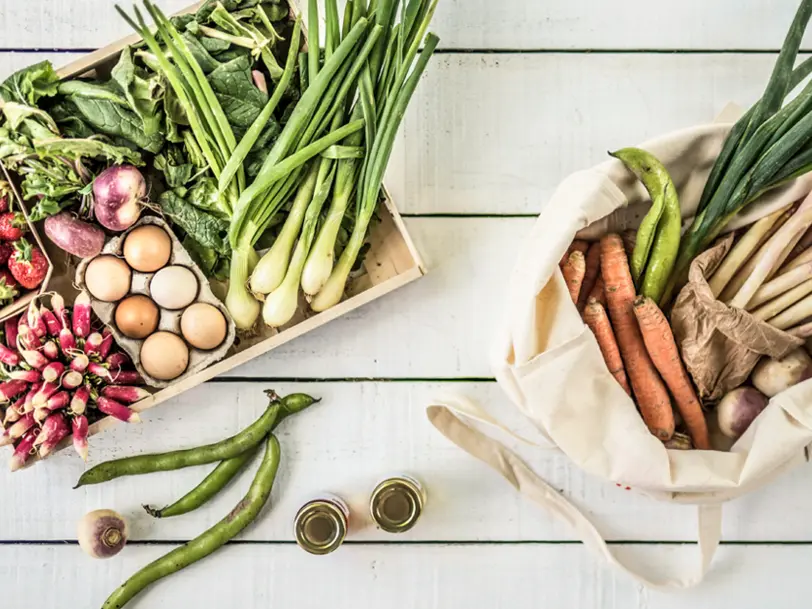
{"type": "Point", "coordinates": [738, 409]}
{"type": "Point", "coordinates": [118, 192]}
{"type": "Point", "coordinates": [74, 235]}
{"type": "Point", "coordinates": [103, 533]}
{"type": "Point", "coordinates": [772, 376]}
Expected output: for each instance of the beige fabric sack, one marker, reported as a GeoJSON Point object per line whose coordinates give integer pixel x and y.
{"type": "Point", "coordinates": [549, 364]}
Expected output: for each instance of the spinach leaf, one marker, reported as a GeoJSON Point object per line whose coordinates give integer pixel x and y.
{"type": "Point", "coordinates": [112, 119]}
{"type": "Point", "coordinates": [204, 11]}
{"type": "Point", "coordinates": [238, 95]}
{"type": "Point", "coordinates": [30, 84]}
{"type": "Point", "coordinates": [204, 195]}
{"type": "Point", "coordinates": [214, 46]}
{"type": "Point", "coordinates": [207, 230]}
{"type": "Point", "coordinates": [143, 93]}
{"type": "Point", "coordinates": [67, 116]}
{"type": "Point", "coordinates": [172, 163]}
{"type": "Point", "coordinates": [86, 148]}
{"type": "Point", "coordinates": [200, 53]}
{"type": "Point", "coordinates": [205, 257]}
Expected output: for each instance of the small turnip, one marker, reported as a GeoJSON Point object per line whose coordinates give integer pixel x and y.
{"type": "Point", "coordinates": [738, 409]}
{"type": "Point", "coordinates": [119, 192]}
{"type": "Point", "coordinates": [103, 533]}
{"type": "Point", "coordinates": [74, 235]}
{"type": "Point", "coordinates": [772, 376]}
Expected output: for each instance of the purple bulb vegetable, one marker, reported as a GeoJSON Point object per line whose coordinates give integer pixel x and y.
{"type": "Point", "coordinates": [119, 192]}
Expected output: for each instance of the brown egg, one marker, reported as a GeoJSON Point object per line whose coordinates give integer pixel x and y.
{"type": "Point", "coordinates": [108, 278]}
{"type": "Point", "coordinates": [164, 356]}
{"type": "Point", "coordinates": [203, 326]}
{"type": "Point", "coordinates": [147, 248]}
{"type": "Point", "coordinates": [137, 316]}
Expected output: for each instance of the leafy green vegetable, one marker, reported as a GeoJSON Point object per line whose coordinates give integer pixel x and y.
{"type": "Point", "coordinates": [238, 95]}
{"type": "Point", "coordinates": [204, 195]}
{"type": "Point", "coordinates": [206, 229]}
{"type": "Point", "coordinates": [201, 53]}
{"type": "Point", "coordinates": [112, 119]}
{"type": "Point", "coordinates": [30, 84]}
{"type": "Point", "coordinates": [176, 169]}
{"type": "Point", "coordinates": [206, 258]}
{"type": "Point", "coordinates": [143, 92]}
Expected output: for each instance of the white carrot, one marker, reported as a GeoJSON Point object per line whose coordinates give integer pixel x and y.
{"type": "Point", "coordinates": [783, 302]}
{"type": "Point", "coordinates": [802, 258]}
{"type": "Point", "coordinates": [779, 285]}
{"type": "Point", "coordinates": [794, 315]}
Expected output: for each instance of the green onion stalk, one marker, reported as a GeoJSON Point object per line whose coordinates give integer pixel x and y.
{"type": "Point", "coordinates": [769, 145]}
{"type": "Point", "coordinates": [379, 150]}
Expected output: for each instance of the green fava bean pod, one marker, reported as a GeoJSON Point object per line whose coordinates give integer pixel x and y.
{"type": "Point", "coordinates": [658, 238]}
{"type": "Point", "coordinates": [229, 527]}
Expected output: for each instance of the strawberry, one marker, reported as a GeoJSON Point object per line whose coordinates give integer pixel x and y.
{"type": "Point", "coordinates": [12, 226]}
{"type": "Point", "coordinates": [27, 264]}
{"type": "Point", "coordinates": [6, 250]}
{"type": "Point", "coordinates": [3, 204]}
{"type": "Point", "coordinates": [7, 286]}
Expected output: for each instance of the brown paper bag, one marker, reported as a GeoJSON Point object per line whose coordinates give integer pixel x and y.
{"type": "Point", "coordinates": [720, 345]}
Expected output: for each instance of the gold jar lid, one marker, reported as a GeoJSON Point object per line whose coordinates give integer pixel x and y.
{"type": "Point", "coordinates": [397, 503]}
{"type": "Point", "coordinates": [320, 527]}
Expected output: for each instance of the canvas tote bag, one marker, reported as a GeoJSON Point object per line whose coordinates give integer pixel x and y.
{"type": "Point", "coordinates": [549, 364]}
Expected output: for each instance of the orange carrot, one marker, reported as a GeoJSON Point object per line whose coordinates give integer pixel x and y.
{"type": "Point", "coordinates": [575, 246]}
{"type": "Point", "coordinates": [597, 320]}
{"type": "Point", "coordinates": [598, 292]}
{"type": "Point", "coordinates": [593, 269]}
{"type": "Point", "coordinates": [663, 350]}
{"type": "Point", "coordinates": [652, 396]}
{"type": "Point", "coordinates": [574, 272]}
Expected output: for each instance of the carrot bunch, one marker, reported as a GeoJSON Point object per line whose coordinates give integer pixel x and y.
{"type": "Point", "coordinates": [634, 336]}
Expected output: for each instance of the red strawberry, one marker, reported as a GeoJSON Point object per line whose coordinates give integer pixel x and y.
{"type": "Point", "coordinates": [7, 285]}
{"type": "Point", "coordinates": [27, 264]}
{"type": "Point", "coordinates": [3, 204]}
{"type": "Point", "coordinates": [6, 250]}
{"type": "Point", "coordinates": [12, 226]}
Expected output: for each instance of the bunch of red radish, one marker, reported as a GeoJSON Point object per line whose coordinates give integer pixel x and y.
{"type": "Point", "coordinates": [58, 376]}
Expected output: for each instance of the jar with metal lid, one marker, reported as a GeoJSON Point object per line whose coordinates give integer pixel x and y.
{"type": "Point", "coordinates": [321, 525]}
{"type": "Point", "coordinates": [397, 503]}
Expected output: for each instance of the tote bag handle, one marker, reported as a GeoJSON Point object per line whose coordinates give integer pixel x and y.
{"type": "Point", "coordinates": [448, 418]}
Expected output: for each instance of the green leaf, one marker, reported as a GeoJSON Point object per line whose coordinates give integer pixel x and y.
{"type": "Point", "coordinates": [205, 195]}
{"type": "Point", "coordinates": [30, 84]}
{"type": "Point", "coordinates": [46, 208]}
{"type": "Point", "coordinates": [87, 148]}
{"type": "Point", "coordinates": [114, 120]}
{"type": "Point", "coordinates": [16, 113]}
{"type": "Point", "coordinates": [201, 54]}
{"type": "Point", "coordinates": [143, 93]}
{"type": "Point", "coordinates": [204, 257]}
{"type": "Point", "coordinates": [207, 230]}
{"type": "Point", "coordinates": [238, 95]}
{"type": "Point", "coordinates": [173, 164]}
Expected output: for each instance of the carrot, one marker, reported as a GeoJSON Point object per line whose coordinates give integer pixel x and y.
{"type": "Point", "coordinates": [593, 269]}
{"type": "Point", "coordinates": [598, 292]}
{"type": "Point", "coordinates": [663, 350]}
{"type": "Point", "coordinates": [597, 320]}
{"type": "Point", "coordinates": [574, 272]}
{"type": "Point", "coordinates": [576, 246]}
{"type": "Point", "coordinates": [652, 396]}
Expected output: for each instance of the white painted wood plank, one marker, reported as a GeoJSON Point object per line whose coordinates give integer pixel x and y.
{"type": "Point", "coordinates": [481, 24]}
{"type": "Point", "coordinates": [401, 577]}
{"type": "Point", "coordinates": [497, 133]}
{"type": "Point", "coordinates": [360, 433]}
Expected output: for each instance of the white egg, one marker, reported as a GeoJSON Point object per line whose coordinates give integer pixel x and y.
{"type": "Point", "coordinates": [174, 287]}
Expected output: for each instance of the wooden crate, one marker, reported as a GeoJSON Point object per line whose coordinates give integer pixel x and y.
{"type": "Point", "coordinates": [391, 262]}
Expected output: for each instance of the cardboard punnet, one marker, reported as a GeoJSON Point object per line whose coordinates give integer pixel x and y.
{"type": "Point", "coordinates": [391, 262]}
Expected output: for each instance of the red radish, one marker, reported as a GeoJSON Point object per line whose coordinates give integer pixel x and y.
{"type": "Point", "coordinates": [29, 397]}
{"type": "Point", "coordinates": [106, 344]}
{"type": "Point", "coordinates": [116, 410]}
{"type": "Point", "coordinates": [29, 376]}
{"type": "Point", "coordinates": [66, 340]}
{"type": "Point", "coordinates": [126, 377]}
{"type": "Point", "coordinates": [72, 379]}
{"type": "Point", "coordinates": [27, 264]}
{"type": "Point", "coordinates": [11, 389]}
{"type": "Point", "coordinates": [61, 313]}
{"type": "Point", "coordinates": [54, 433]}
{"type": "Point", "coordinates": [73, 235]}
{"type": "Point", "coordinates": [117, 360]}
{"type": "Point", "coordinates": [35, 321]}
{"type": "Point", "coordinates": [14, 412]}
{"type": "Point", "coordinates": [259, 80]}
{"type": "Point", "coordinates": [80, 362]}
{"type": "Point", "coordinates": [35, 359]}
{"type": "Point", "coordinates": [23, 450]}
{"type": "Point", "coordinates": [101, 371]}
{"type": "Point", "coordinates": [79, 425]}
{"type": "Point", "coordinates": [12, 226]}
{"type": "Point", "coordinates": [81, 315]}
{"type": "Point", "coordinates": [57, 401]}
{"type": "Point", "coordinates": [53, 371]}
{"type": "Point", "coordinates": [8, 357]}
{"type": "Point", "coordinates": [78, 403]}
{"type": "Point", "coordinates": [118, 193]}
{"type": "Point", "coordinates": [20, 427]}
{"type": "Point", "coordinates": [92, 343]}
{"type": "Point", "coordinates": [51, 322]}
{"type": "Point", "coordinates": [10, 326]}
{"type": "Point", "coordinates": [46, 390]}
{"type": "Point", "coordinates": [5, 441]}
{"type": "Point", "coordinates": [27, 338]}
{"type": "Point", "coordinates": [51, 350]}
{"type": "Point", "coordinates": [124, 393]}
